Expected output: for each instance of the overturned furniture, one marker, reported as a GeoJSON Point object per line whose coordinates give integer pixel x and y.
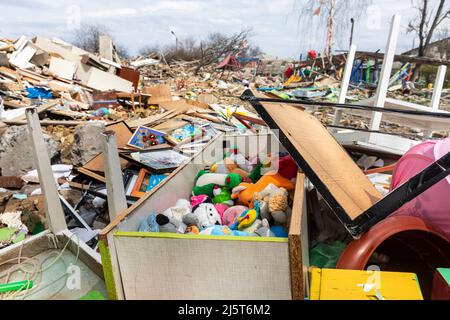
{"type": "Point", "coordinates": [378, 141]}
{"type": "Point", "coordinates": [345, 188]}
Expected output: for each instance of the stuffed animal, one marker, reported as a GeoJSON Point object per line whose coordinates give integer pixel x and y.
{"type": "Point", "coordinates": [222, 195]}
{"type": "Point", "coordinates": [231, 214]}
{"type": "Point", "coordinates": [287, 167]}
{"type": "Point", "coordinates": [263, 229]}
{"type": "Point", "coordinates": [203, 214]}
{"type": "Point", "coordinates": [245, 191]}
{"type": "Point", "coordinates": [272, 203]}
{"type": "Point", "coordinates": [167, 224]}
{"type": "Point", "coordinates": [149, 224]}
{"type": "Point", "coordinates": [221, 208]}
{"type": "Point", "coordinates": [245, 219]}
{"type": "Point", "coordinates": [222, 231]}
{"type": "Point", "coordinates": [205, 182]}
{"type": "Point", "coordinates": [239, 159]}
{"type": "Point", "coordinates": [253, 227]}
{"type": "Point", "coordinates": [228, 166]}
{"type": "Point", "coordinates": [182, 207]}
{"type": "Point", "coordinates": [192, 230]}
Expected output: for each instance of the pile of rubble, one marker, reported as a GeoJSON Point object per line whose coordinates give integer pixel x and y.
{"type": "Point", "coordinates": [78, 95]}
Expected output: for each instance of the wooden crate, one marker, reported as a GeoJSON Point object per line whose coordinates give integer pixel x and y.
{"type": "Point", "coordinates": [139, 265]}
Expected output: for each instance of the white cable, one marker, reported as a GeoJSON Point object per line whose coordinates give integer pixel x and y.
{"type": "Point", "coordinates": [37, 270]}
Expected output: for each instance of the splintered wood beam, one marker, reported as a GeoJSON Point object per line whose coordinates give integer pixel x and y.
{"type": "Point", "coordinates": [53, 209]}
{"type": "Point", "coordinates": [117, 201]}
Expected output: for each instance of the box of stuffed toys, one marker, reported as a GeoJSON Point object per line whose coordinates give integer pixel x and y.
{"type": "Point", "coordinates": [227, 225]}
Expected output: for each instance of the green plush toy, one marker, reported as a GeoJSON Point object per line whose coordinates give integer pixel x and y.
{"type": "Point", "coordinates": [222, 195]}
{"type": "Point", "coordinates": [205, 182]}
{"type": "Point", "coordinates": [255, 174]}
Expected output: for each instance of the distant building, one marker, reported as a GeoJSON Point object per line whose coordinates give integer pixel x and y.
{"type": "Point", "coordinates": [437, 50]}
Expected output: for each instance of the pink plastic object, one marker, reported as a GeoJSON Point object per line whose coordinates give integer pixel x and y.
{"type": "Point", "coordinates": [432, 206]}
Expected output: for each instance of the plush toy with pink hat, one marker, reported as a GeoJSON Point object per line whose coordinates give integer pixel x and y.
{"type": "Point", "coordinates": [204, 213]}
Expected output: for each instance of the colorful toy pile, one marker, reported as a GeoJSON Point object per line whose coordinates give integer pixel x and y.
{"type": "Point", "coordinates": [236, 196]}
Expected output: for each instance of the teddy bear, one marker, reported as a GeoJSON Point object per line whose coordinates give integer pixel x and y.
{"type": "Point", "coordinates": [244, 192]}
{"type": "Point", "coordinates": [272, 203]}
{"type": "Point", "coordinates": [203, 214]}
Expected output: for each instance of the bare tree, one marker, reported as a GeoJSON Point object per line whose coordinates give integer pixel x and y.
{"type": "Point", "coordinates": [442, 33]}
{"type": "Point", "coordinates": [425, 24]}
{"type": "Point", "coordinates": [149, 50]}
{"type": "Point", "coordinates": [207, 51]}
{"type": "Point", "coordinates": [333, 15]}
{"type": "Point", "coordinates": [427, 21]}
{"type": "Point", "coordinates": [87, 36]}
{"type": "Point", "coordinates": [218, 46]}
{"type": "Point", "coordinates": [122, 51]}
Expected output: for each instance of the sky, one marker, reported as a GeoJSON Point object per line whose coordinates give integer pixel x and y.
{"type": "Point", "coordinates": [135, 24]}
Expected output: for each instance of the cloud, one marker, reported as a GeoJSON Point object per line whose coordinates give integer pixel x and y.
{"type": "Point", "coordinates": [135, 23]}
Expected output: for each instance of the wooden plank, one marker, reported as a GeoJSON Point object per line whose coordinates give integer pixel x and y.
{"type": "Point", "coordinates": [53, 209]}
{"type": "Point", "coordinates": [339, 180]}
{"type": "Point", "coordinates": [91, 174]}
{"type": "Point", "coordinates": [295, 241]}
{"type": "Point", "coordinates": [177, 106]}
{"type": "Point", "coordinates": [117, 201]}
{"type": "Point", "coordinates": [150, 120]}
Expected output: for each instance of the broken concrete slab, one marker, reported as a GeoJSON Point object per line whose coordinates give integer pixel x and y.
{"type": "Point", "coordinates": [16, 152]}
{"type": "Point", "coordinates": [87, 143]}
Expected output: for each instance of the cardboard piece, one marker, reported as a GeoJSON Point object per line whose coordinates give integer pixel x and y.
{"type": "Point", "coordinates": [159, 93]}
